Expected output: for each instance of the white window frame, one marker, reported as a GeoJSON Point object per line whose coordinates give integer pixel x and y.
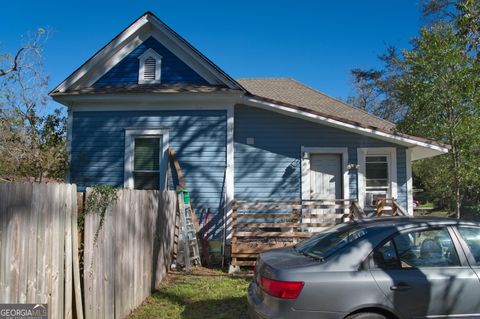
{"type": "Point", "coordinates": [391, 154]}
{"type": "Point", "coordinates": [130, 135]}
{"type": "Point", "coordinates": [150, 53]}
{"type": "Point", "coordinates": [408, 154]}
{"type": "Point", "coordinates": [307, 152]}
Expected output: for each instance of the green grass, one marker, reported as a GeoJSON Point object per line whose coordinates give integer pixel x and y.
{"type": "Point", "coordinates": [435, 213]}
{"type": "Point", "coordinates": [201, 294]}
{"type": "Point", "coordinates": [426, 205]}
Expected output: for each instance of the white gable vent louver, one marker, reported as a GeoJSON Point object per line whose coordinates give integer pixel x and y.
{"type": "Point", "coordinates": [149, 70]}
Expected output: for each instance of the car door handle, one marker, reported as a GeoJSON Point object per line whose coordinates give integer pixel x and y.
{"type": "Point", "coordinates": [400, 287]}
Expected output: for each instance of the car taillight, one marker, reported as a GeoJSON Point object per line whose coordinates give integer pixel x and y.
{"type": "Point", "coordinates": [281, 289]}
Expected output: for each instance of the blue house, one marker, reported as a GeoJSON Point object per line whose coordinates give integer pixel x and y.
{"type": "Point", "coordinates": [263, 138]}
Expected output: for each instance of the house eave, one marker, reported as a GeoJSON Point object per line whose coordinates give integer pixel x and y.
{"type": "Point", "coordinates": [421, 148]}
{"type": "Point", "coordinates": [139, 99]}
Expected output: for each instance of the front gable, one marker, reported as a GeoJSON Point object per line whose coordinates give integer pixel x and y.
{"type": "Point", "coordinates": [173, 70]}
{"type": "Point", "coordinates": [117, 63]}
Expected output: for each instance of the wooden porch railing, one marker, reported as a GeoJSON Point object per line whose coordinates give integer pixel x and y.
{"type": "Point", "coordinates": [389, 207]}
{"type": "Point", "coordinates": [259, 225]}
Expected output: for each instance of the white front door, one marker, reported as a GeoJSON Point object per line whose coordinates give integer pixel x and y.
{"type": "Point", "coordinates": [325, 176]}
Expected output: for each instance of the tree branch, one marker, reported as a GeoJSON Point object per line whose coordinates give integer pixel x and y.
{"type": "Point", "coordinates": [14, 68]}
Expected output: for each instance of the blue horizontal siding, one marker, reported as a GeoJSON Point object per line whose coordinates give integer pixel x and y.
{"type": "Point", "coordinates": [173, 70]}
{"type": "Point", "coordinates": [199, 137]}
{"type": "Point", "coordinates": [271, 168]}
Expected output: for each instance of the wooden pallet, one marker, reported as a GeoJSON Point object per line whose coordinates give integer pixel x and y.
{"type": "Point", "coordinates": [259, 225]}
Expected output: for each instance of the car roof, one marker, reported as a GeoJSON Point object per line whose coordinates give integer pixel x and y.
{"type": "Point", "coordinates": [407, 222]}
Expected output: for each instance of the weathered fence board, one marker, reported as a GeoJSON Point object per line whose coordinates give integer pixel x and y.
{"type": "Point", "coordinates": [39, 250]}
{"type": "Point", "coordinates": [77, 288]}
{"type": "Point", "coordinates": [36, 257]}
{"type": "Point", "coordinates": [131, 254]}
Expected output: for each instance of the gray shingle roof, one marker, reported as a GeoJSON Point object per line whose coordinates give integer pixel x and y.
{"type": "Point", "coordinates": [286, 90]}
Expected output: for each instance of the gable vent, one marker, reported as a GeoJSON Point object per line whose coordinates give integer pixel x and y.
{"type": "Point", "coordinates": [149, 71]}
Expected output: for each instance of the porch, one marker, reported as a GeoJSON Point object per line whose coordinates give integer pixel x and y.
{"type": "Point", "coordinates": [259, 225]}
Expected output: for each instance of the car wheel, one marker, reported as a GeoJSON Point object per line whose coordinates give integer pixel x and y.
{"type": "Point", "coordinates": [366, 315]}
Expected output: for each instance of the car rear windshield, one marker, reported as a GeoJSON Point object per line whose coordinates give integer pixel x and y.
{"type": "Point", "coordinates": [331, 240]}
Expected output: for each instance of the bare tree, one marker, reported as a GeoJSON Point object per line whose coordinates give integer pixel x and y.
{"type": "Point", "coordinates": [31, 140]}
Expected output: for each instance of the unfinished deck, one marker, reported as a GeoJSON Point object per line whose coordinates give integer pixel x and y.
{"type": "Point", "coordinates": [259, 225]}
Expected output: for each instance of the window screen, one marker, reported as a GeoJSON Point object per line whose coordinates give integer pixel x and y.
{"type": "Point", "coordinates": [376, 172]}
{"type": "Point", "coordinates": [146, 168]}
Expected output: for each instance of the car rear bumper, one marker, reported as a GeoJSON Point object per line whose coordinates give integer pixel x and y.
{"type": "Point", "coordinates": [254, 303]}
{"type": "Point", "coordinates": [263, 306]}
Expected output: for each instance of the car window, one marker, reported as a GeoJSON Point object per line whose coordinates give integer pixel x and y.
{"type": "Point", "coordinates": [385, 257]}
{"type": "Point", "coordinates": [424, 248]}
{"type": "Point", "coordinates": [326, 243]}
{"type": "Point", "coordinates": [472, 238]}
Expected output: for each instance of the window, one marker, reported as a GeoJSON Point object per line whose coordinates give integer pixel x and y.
{"type": "Point", "coordinates": [145, 158]}
{"type": "Point", "coordinates": [150, 67]}
{"type": "Point", "coordinates": [472, 238]}
{"type": "Point", "coordinates": [331, 240]}
{"type": "Point", "coordinates": [385, 257]}
{"type": "Point", "coordinates": [424, 248]}
{"type": "Point", "coordinates": [376, 173]}
{"type": "Point", "coordinates": [146, 167]}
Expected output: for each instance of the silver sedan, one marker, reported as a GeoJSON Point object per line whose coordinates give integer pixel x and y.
{"type": "Point", "coordinates": [377, 268]}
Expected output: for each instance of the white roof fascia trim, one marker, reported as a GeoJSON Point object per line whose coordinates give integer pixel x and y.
{"type": "Point", "coordinates": [129, 40]}
{"type": "Point", "coordinates": [150, 98]}
{"type": "Point", "coordinates": [346, 126]}
{"type": "Point", "coordinates": [110, 61]}
{"type": "Point", "coordinates": [107, 64]}
{"type": "Point", "coordinates": [92, 107]}
{"type": "Point", "coordinates": [190, 55]}
{"type": "Point", "coordinates": [104, 53]}
{"type": "Point", "coordinates": [184, 55]}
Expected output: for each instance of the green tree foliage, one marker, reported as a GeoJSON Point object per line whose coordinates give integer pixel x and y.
{"type": "Point", "coordinates": [464, 15]}
{"type": "Point", "coordinates": [441, 86]}
{"type": "Point", "coordinates": [434, 90]}
{"type": "Point", "coordinates": [32, 141]}
{"type": "Point", "coordinates": [375, 90]}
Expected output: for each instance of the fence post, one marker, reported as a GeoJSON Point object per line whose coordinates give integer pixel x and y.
{"type": "Point", "coordinates": [294, 220]}
{"type": "Point", "coordinates": [234, 238]}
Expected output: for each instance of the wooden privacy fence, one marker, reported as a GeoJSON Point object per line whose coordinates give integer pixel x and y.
{"type": "Point", "coordinates": [39, 258]}
{"type": "Point", "coordinates": [258, 225]}
{"type": "Point", "coordinates": [131, 254]}
{"type": "Point", "coordinates": [38, 254]}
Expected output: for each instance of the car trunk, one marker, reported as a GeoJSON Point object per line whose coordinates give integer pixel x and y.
{"type": "Point", "coordinates": [282, 263]}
